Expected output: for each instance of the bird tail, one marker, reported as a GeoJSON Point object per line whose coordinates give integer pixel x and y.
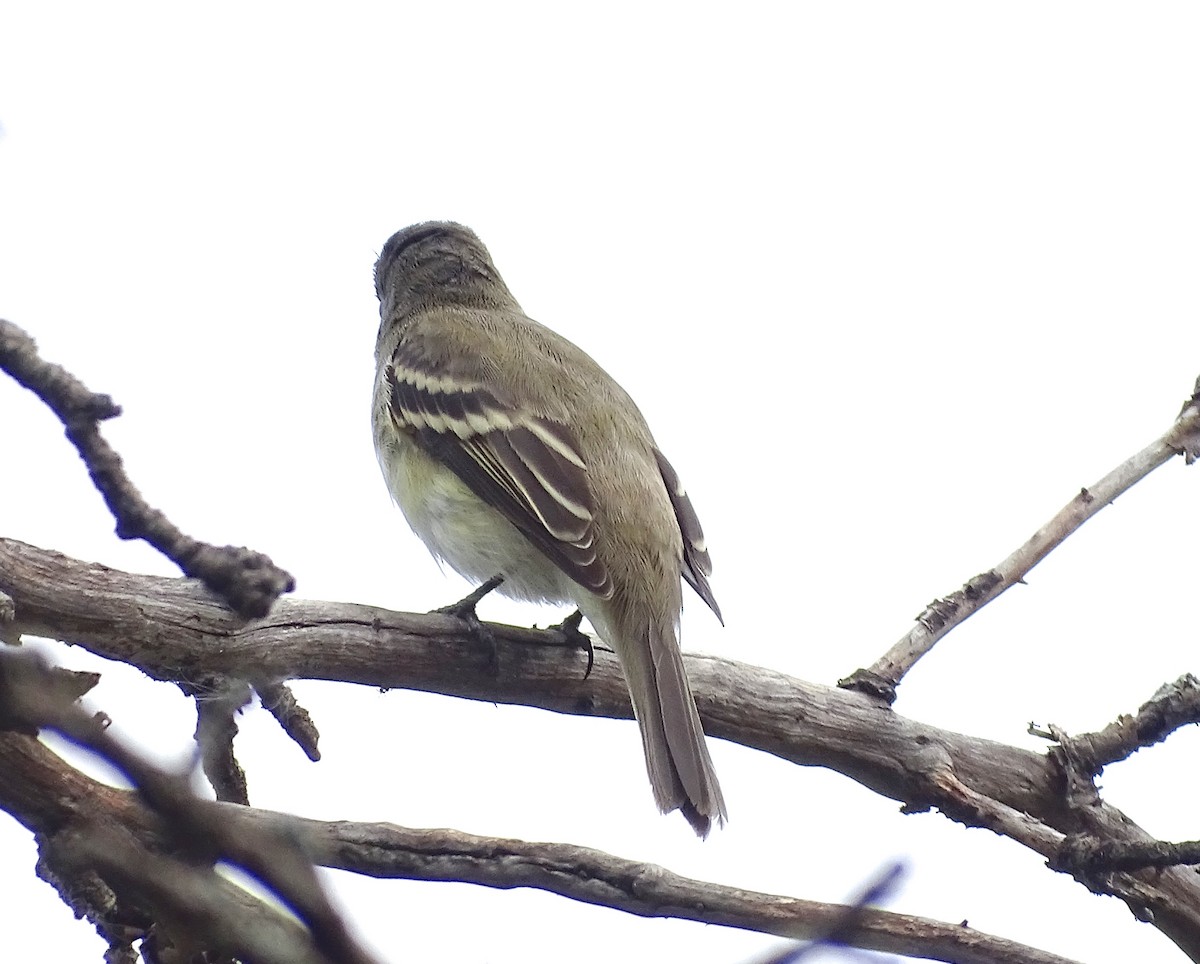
{"type": "Point", "coordinates": [680, 768]}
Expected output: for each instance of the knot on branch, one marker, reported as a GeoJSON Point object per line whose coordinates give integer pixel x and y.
{"type": "Point", "coordinates": [982, 585]}
{"type": "Point", "coordinates": [247, 580]}
{"type": "Point", "coordinates": [872, 684]}
{"type": "Point", "coordinates": [1185, 434]}
{"type": "Point", "coordinates": [939, 613]}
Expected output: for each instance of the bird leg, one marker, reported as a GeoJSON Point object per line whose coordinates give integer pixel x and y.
{"type": "Point", "coordinates": [572, 636]}
{"type": "Point", "coordinates": [464, 609]}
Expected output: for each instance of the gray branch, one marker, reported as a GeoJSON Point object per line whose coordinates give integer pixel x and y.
{"type": "Point", "coordinates": [167, 875]}
{"type": "Point", "coordinates": [173, 630]}
{"type": "Point", "coordinates": [943, 615]}
{"type": "Point", "coordinates": [63, 796]}
{"type": "Point", "coordinates": [1175, 705]}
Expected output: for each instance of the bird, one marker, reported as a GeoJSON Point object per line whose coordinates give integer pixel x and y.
{"type": "Point", "coordinates": [513, 454]}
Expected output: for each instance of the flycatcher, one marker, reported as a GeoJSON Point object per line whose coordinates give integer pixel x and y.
{"type": "Point", "coordinates": [512, 453]}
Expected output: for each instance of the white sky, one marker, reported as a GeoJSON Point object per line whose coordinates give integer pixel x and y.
{"type": "Point", "coordinates": [890, 282]}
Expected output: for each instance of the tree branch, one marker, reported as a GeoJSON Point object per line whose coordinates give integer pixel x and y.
{"type": "Point", "coordinates": [61, 795]}
{"type": "Point", "coordinates": [172, 630]}
{"type": "Point", "coordinates": [1175, 705]}
{"type": "Point", "coordinates": [176, 877]}
{"type": "Point", "coordinates": [218, 701]}
{"type": "Point", "coordinates": [1088, 855]}
{"type": "Point", "coordinates": [161, 857]}
{"type": "Point", "coordinates": [875, 892]}
{"type": "Point", "coordinates": [248, 581]}
{"type": "Point", "coordinates": [943, 615]}
{"type": "Point", "coordinates": [204, 912]}
{"type": "Point", "coordinates": [277, 699]}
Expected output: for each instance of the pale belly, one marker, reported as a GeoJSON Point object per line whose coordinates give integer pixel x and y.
{"type": "Point", "coordinates": [465, 532]}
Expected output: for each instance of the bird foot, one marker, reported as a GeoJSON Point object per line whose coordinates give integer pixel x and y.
{"type": "Point", "coordinates": [464, 609]}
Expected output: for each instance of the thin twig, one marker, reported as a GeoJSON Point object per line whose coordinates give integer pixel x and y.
{"type": "Point", "coordinates": [33, 694]}
{"type": "Point", "coordinates": [1082, 853]}
{"type": "Point", "coordinates": [218, 701]}
{"type": "Point", "coordinates": [1175, 705]}
{"type": "Point", "coordinates": [278, 700]}
{"type": "Point", "coordinates": [248, 581]}
{"type": "Point", "coordinates": [943, 615]}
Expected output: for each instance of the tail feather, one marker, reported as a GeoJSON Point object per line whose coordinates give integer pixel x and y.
{"type": "Point", "coordinates": [683, 732]}
{"type": "Point", "coordinates": [677, 760]}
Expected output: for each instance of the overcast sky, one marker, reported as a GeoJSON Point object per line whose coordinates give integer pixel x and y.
{"type": "Point", "coordinates": [889, 281]}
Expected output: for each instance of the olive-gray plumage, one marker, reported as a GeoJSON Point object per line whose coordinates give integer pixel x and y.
{"type": "Point", "coordinates": [511, 452]}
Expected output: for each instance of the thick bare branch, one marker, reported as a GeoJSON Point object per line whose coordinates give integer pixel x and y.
{"type": "Point", "coordinates": [943, 615]}
{"type": "Point", "coordinates": [248, 581]}
{"type": "Point", "coordinates": [388, 851]}
{"type": "Point", "coordinates": [172, 630]}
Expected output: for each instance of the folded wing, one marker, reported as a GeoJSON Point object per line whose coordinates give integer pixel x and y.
{"type": "Point", "coordinates": [525, 466]}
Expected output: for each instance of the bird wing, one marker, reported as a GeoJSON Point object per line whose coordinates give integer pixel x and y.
{"type": "Point", "coordinates": [528, 467]}
{"type": "Point", "coordinates": [697, 564]}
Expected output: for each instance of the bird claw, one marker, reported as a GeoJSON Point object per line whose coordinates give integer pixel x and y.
{"type": "Point", "coordinates": [464, 609]}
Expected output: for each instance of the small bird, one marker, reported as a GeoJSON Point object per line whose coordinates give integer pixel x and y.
{"type": "Point", "coordinates": [513, 454]}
